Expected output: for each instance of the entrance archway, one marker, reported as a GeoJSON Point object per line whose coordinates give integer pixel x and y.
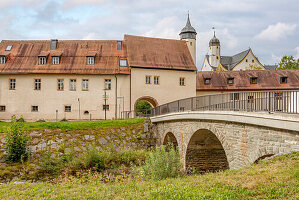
{"type": "Point", "coordinates": [144, 104]}
{"type": "Point", "coordinates": [205, 153]}
{"type": "Point", "coordinates": [170, 138]}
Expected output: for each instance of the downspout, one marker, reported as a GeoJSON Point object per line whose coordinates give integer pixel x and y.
{"type": "Point", "coordinates": [115, 96]}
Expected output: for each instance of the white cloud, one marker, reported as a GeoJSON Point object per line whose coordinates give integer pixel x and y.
{"type": "Point", "coordinates": [297, 52]}
{"type": "Point", "coordinates": [74, 3]}
{"type": "Point", "coordinates": [276, 32]}
{"type": "Point", "coordinates": [165, 28]}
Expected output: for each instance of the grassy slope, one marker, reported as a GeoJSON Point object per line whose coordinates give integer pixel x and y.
{"type": "Point", "coordinates": [73, 125]}
{"type": "Point", "coordinates": [275, 179]}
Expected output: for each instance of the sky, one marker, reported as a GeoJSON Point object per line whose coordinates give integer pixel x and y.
{"type": "Point", "coordinates": [269, 27]}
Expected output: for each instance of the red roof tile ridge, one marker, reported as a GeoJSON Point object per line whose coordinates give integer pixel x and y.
{"type": "Point", "coordinates": [147, 37]}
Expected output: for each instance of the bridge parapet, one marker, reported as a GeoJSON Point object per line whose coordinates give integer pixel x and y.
{"type": "Point", "coordinates": [278, 101]}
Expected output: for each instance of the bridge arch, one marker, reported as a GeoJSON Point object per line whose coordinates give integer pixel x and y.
{"type": "Point", "coordinates": [170, 138]}
{"type": "Point", "coordinates": [205, 152]}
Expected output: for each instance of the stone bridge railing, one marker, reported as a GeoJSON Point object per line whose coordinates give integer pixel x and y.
{"type": "Point", "coordinates": [276, 101]}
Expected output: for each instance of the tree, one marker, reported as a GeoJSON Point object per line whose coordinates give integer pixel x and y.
{"type": "Point", "coordinates": [288, 62]}
{"type": "Point", "coordinates": [142, 107]}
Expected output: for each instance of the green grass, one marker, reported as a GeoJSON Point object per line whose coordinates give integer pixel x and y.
{"type": "Point", "coordinates": [275, 179]}
{"type": "Point", "coordinates": [73, 125]}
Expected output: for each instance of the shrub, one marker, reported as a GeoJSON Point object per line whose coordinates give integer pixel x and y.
{"type": "Point", "coordinates": [163, 162]}
{"type": "Point", "coordinates": [91, 159]}
{"type": "Point", "coordinates": [64, 120]}
{"type": "Point", "coordinates": [16, 143]}
{"type": "Point", "coordinates": [41, 120]}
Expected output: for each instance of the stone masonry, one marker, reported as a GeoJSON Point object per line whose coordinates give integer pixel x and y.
{"type": "Point", "coordinates": [242, 143]}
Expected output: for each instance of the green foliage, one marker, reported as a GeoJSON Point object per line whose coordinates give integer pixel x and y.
{"type": "Point", "coordinates": [52, 163]}
{"type": "Point", "coordinates": [64, 120]}
{"type": "Point", "coordinates": [288, 62]}
{"type": "Point", "coordinates": [74, 125]}
{"type": "Point", "coordinates": [142, 107]}
{"type": "Point", "coordinates": [163, 163]}
{"type": "Point", "coordinates": [16, 143]}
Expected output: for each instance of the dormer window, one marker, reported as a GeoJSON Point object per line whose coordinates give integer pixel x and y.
{"type": "Point", "coordinates": [230, 81]}
{"type": "Point", "coordinates": [8, 48]}
{"type": "Point", "coordinates": [55, 60]}
{"type": "Point", "coordinates": [253, 80]}
{"type": "Point", "coordinates": [123, 63]}
{"type": "Point", "coordinates": [283, 80]}
{"type": "Point", "coordinates": [42, 60]}
{"type": "Point", "coordinates": [90, 60]}
{"type": "Point", "coordinates": [2, 59]}
{"type": "Point", "coordinates": [207, 81]}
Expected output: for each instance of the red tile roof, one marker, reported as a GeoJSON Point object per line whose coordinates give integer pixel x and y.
{"type": "Point", "coordinates": [266, 80]}
{"type": "Point", "coordinates": [158, 53]}
{"type": "Point", "coordinates": [23, 57]}
{"type": "Point", "coordinates": [142, 52]}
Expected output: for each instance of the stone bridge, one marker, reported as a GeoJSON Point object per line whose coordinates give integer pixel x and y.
{"type": "Point", "coordinates": [218, 140]}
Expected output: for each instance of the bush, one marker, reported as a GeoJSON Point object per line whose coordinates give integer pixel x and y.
{"type": "Point", "coordinates": [41, 120]}
{"type": "Point", "coordinates": [91, 159]}
{"type": "Point", "coordinates": [16, 143]}
{"type": "Point", "coordinates": [64, 120]}
{"type": "Point", "coordinates": [163, 162]}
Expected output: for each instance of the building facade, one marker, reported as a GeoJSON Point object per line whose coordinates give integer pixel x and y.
{"type": "Point", "coordinates": [245, 60]}
{"type": "Point", "coordinates": [82, 80]}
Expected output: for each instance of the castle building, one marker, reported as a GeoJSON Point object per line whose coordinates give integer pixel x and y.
{"type": "Point", "coordinates": [245, 60]}
{"type": "Point", "coordinates": [94, 79]}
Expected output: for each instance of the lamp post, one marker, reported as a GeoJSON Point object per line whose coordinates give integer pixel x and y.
{"type": "Point", "coordinates": [123, 99]}
{"type": "Point", "coordinates": [105, 97]}
{"type": "Point", "coordinates": [79, 108]}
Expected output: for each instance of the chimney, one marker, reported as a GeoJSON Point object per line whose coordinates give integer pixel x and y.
{"type": "Point", "coordinates": [53, 44]}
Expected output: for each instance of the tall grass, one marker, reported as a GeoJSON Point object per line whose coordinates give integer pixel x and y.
{"type": "Point", "coordinates": [163, 162]}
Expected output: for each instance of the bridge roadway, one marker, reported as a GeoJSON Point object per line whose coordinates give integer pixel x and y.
{"type": "Point", "coordinates": [218, 140]}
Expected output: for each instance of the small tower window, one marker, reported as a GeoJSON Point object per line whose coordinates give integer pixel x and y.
{"type": "Point", "coordinates": [253, 61]}
{"type": "Point", "coordinates": [283, 80]}
{"type": "Point", "coordinates": [217, 57]}
{"type": "Point", "coordinates": [182, 81]}
{"type": "Point", "coordinates": [207, 81]}
{"type": "Point", "coordinates": [246, 60]}
{"type": "Point", "coordinates": [190, 43]}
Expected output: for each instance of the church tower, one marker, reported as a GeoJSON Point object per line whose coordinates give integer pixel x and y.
{"type": "Point", "coordinates": [214, 52]}
{"type": "Point", "coordinates": [188, 33]}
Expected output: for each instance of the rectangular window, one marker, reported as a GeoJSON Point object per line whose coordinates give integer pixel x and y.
{"type": "Point", "coordinates": [119, 45]}
{"type": "Point", "coordinates": [34, 108]}
{"type": "Point", "coordinates": [67, 108]}
{"type": "Point", "coordinates": [182, 81]}
{"type": "Point", "coordinates": [156, 80]}
{"type": "Point", "coordinates": [73, 84]}
{"type": "Point", "coordinates": [105, 107]}
{"type": "Point", "coordinates": [107, 84]}
{"type": "Point", "coordinates": [234, 96]}
{"type": "Point", "coordinates": [55, 60]}
{"type": "Point", "coordinates": [123, 63]}
{"type": "Point", "coordinates": [12, 84]}
{"type": "Point", "coordinates": [250, 99]}
{"type": "Point", "coordinates": [90, 60]}
{"type": "Point", "coordinates": [253, 80]}
{"type": "Point", "coordinates": [60, 84]}
{"type": "Point", "coordinates": [207, 81]}
{"type": "Point", "coordinates": [2, 59]}
{"type": "Point", "coordinates": [230, 81]}
{"type": "Point", "coordinates": [278, 95]}
{"type": "Point", "coordinates": [85, 84]}
{"type": "Point", "coordinates": [283, 80]}
{"type": "Point", "coordinates": [147, 79]}
{"type": "Point", "coordinates": [37, 84]}
{"type": "Point", "coordinates": [42, 60]}
{"type": "Point", "coordinates": [2, 108]}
